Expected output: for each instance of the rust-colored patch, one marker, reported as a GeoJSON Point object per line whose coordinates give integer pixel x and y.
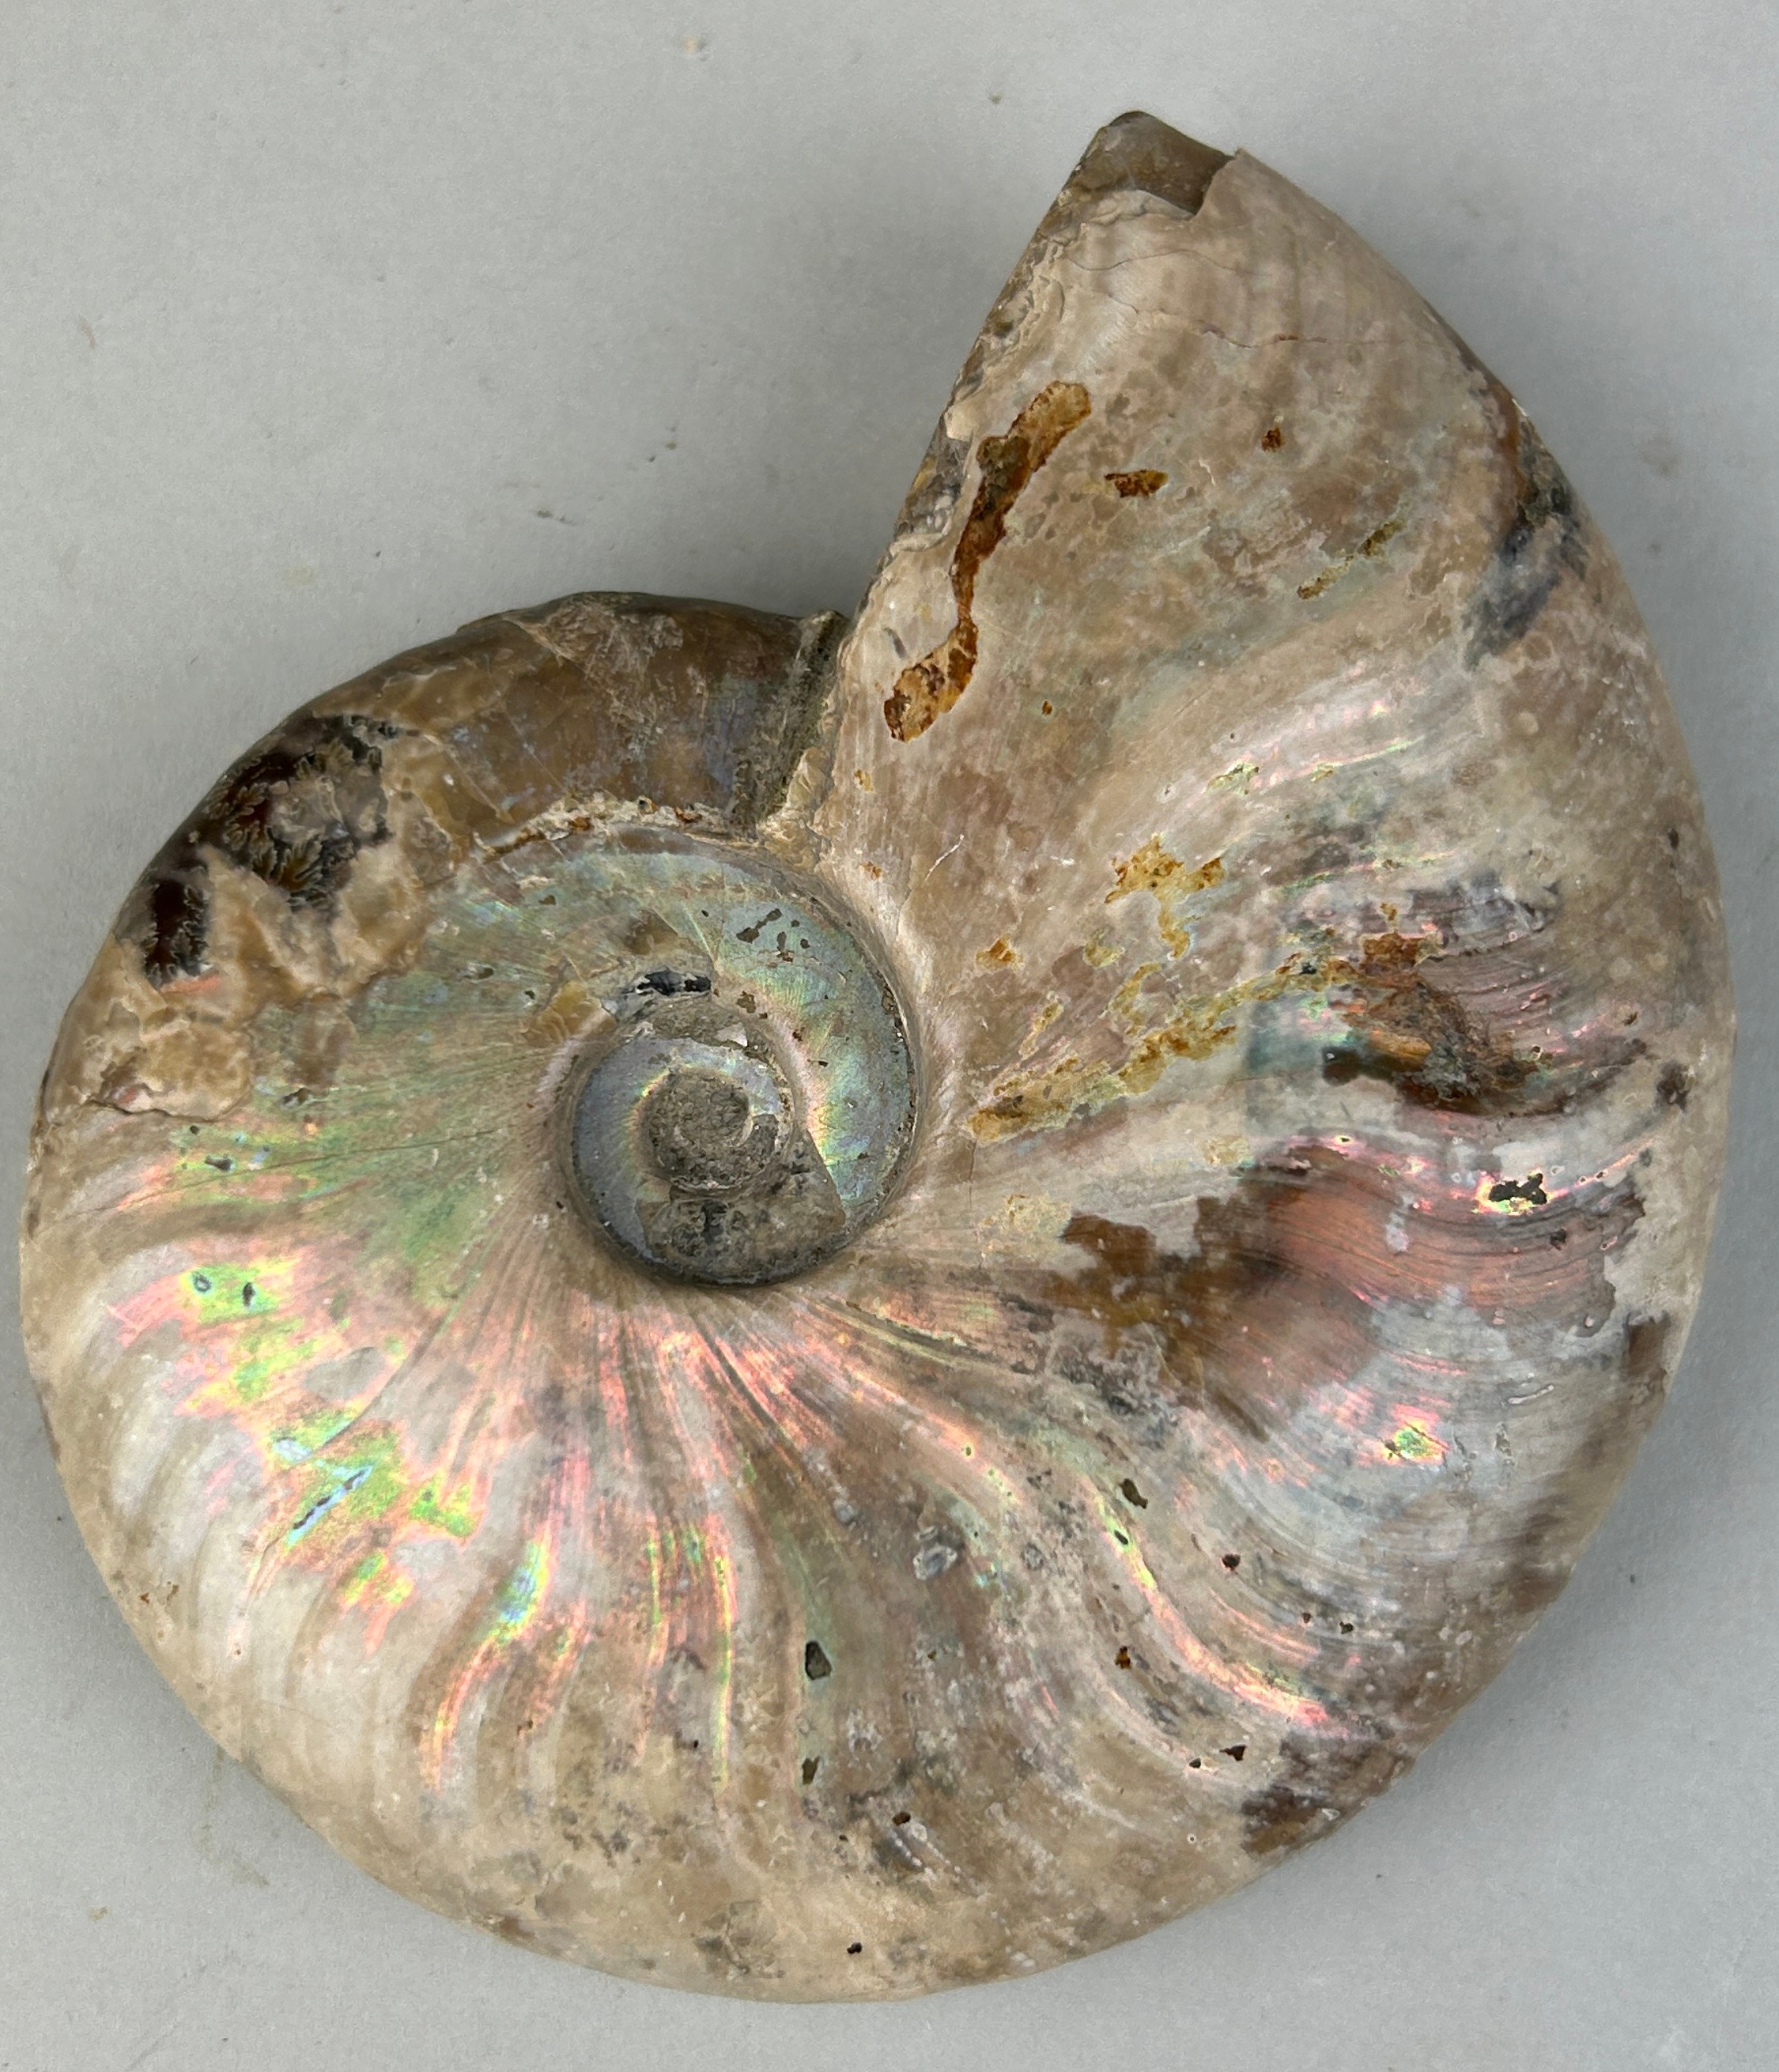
{"type": "Point", "coordinates": [1126, 1003]}
{"type": "Point", "coordinates": [1260, 1310]}
{"type": "Point", "coordinates": [932, 686]}
{"type": "Point", "coordinates": [1422, 1038]}
{"type": "Point", "coordinates": [1047, 1098]}
{"type": "Point", "coordinates": [1436, 1048]}
{"type": "Point", "coordinates": [1153, 869]}
{"type": "Point", "coordinates": [1369, 549]}
{"type": "Point", "coordinates": [1273, 438]}
{"type": "Point", "coordinates": [999, 951]}
{"type": "Point", "coordinates": [1290, 1273]}
{"type": "Point", "coordinates": [1137, 481]}
{"type": "Point", "coordinates": [1185, 1303]}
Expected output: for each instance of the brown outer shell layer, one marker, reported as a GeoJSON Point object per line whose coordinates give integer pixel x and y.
{"type": "Point", "coordinates": [1251, 767]}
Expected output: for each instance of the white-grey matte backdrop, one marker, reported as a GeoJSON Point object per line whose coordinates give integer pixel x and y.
{"type": "Point", "coordinates": [324, 327]}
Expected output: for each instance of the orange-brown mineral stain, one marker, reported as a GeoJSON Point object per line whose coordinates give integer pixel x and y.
{"type": "Point", "coordinates": [1369, 549]}
{"type": "Point", "coordinates": [932, 686]}
{"type": "Point", "coordinates": [1075, 1088]}
{"type": "Point", "coordinates": [1415, 1035]}
{"type": "Point", "coordinates": [1218, 1316]}
{"type": "Point", "coordinates": [1136, 481]}
{"type": "Point", "coordinates": [1312, 1234]}
{"type": "Point", "coordinates": [1422, 1038]}
{"type": "Point", "coordinates": [1152, 869]}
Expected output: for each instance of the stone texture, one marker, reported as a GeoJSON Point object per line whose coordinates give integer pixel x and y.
{"type": "Point", "coordinates": [1251, 772]}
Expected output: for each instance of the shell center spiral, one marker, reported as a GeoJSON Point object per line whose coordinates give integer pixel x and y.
{"type": "Point", "coordinates": [750, 1106]}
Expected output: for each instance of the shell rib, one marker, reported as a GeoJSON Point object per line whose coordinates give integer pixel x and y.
{"type": "Point", "coordinates": [1250, 776]}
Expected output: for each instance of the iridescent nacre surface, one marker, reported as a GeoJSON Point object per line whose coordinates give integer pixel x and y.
{"type": "Point", "coordinates": [821, 1319]}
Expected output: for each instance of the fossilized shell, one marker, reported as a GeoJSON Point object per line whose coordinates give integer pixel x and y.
{"type": "Point", "coordinates": [819, 1330]}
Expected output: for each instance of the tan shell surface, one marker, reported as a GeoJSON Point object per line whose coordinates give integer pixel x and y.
{"type": "Point", "coordinates": [1250, 773]}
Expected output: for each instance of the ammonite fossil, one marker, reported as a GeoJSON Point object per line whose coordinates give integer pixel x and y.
{"type": "Point", "coordinates": [817, 1311]}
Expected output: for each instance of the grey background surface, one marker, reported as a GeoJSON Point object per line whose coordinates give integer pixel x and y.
{"type": "Point", "coordinates": [325, 327]}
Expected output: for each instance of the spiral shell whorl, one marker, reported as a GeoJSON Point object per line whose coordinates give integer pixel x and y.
{"type": "Point", "coordinates": [1248, 793]}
